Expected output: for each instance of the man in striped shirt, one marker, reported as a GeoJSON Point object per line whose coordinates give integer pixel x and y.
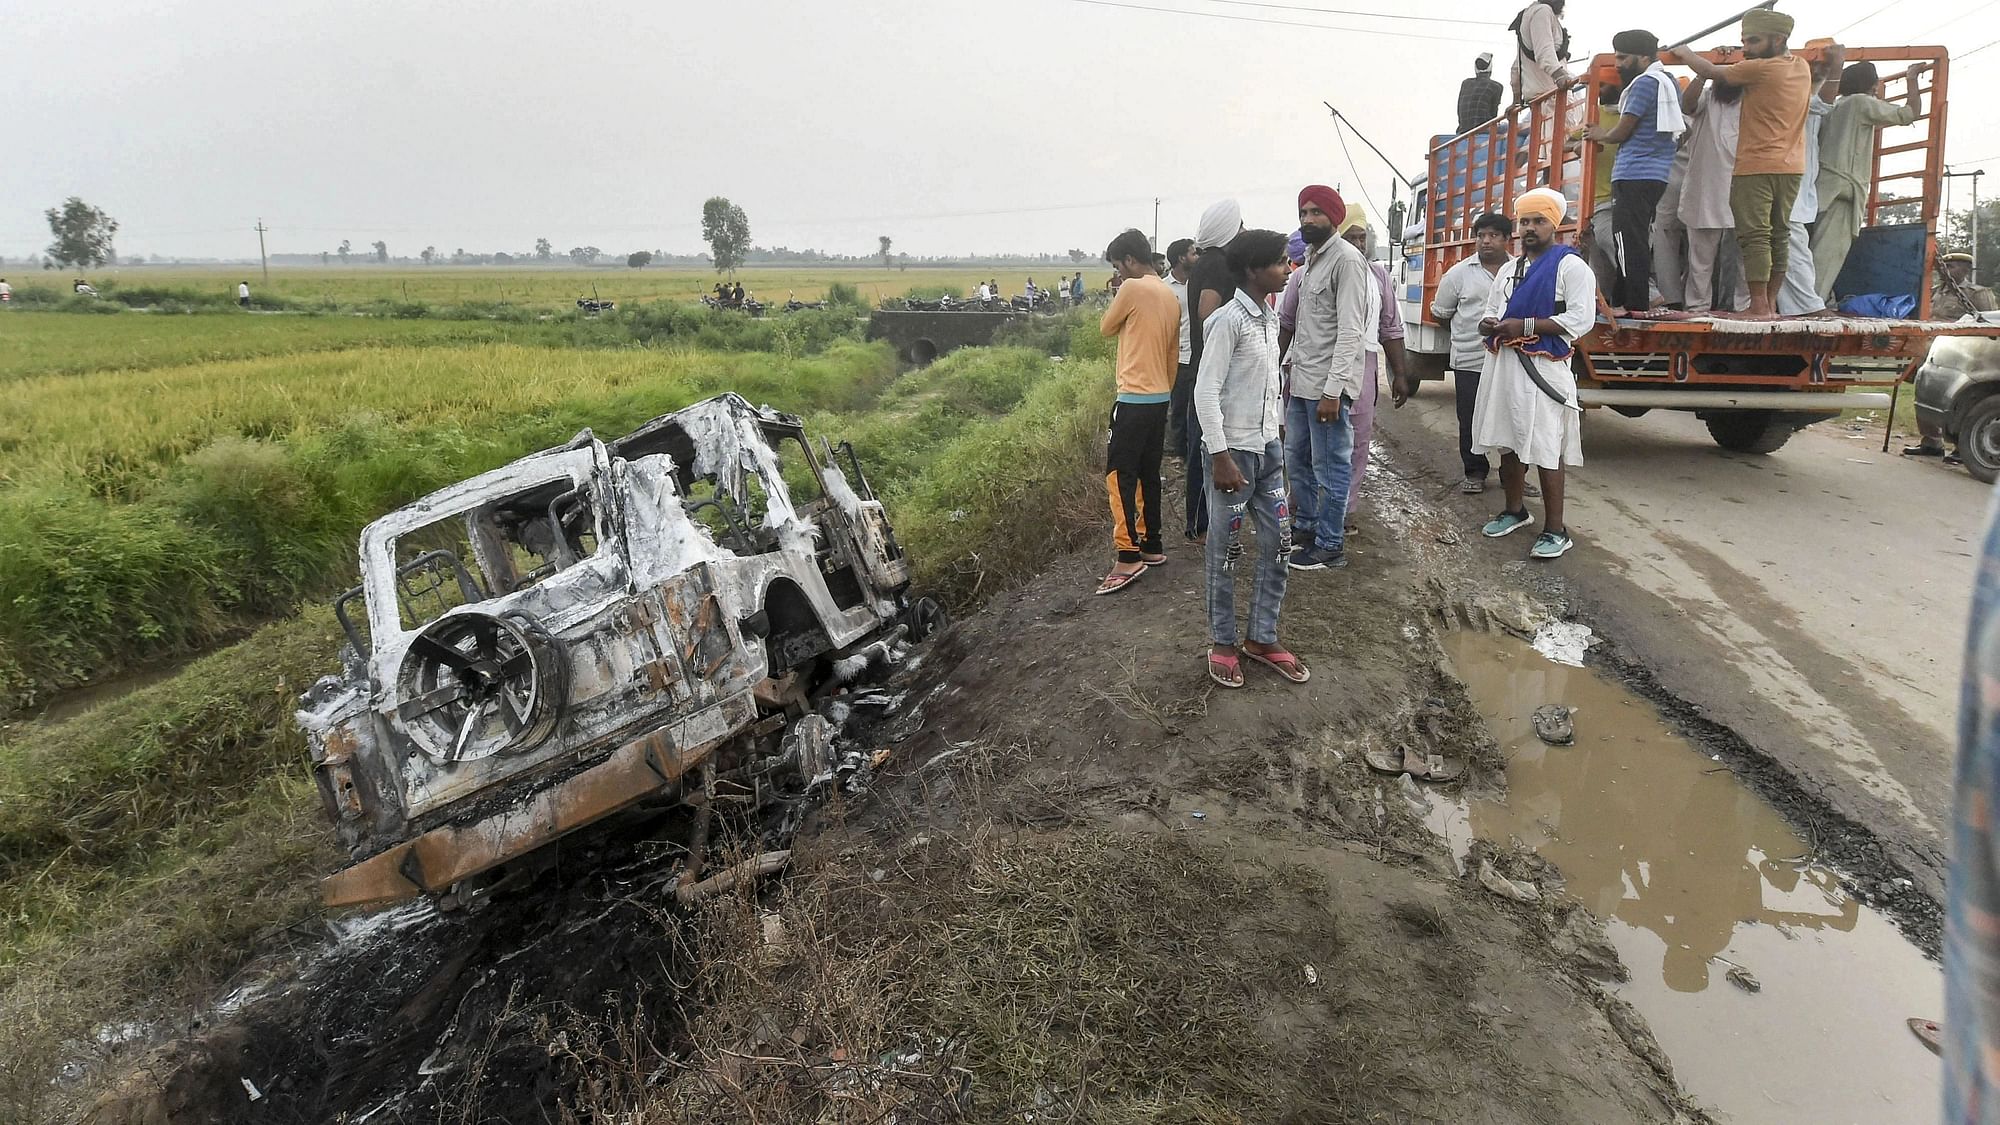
{"type": "Point", "coordinates": [1236, 400]}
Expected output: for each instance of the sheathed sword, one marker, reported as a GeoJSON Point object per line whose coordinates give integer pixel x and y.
{"type": "Point", "coordinates": [1528, 365]}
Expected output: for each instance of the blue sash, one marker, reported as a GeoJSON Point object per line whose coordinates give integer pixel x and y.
{"type": "Point", "coordinates": [1535, 296]}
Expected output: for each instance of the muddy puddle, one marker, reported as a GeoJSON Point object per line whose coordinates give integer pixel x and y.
{"type": "Point", "coordinates": [1695, 876]}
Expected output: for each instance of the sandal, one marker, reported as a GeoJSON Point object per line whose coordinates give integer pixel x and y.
{"type": "Point", "coordinates": [1929, 1032]}
{"type": "Point", "coordinates": [1427, 767]}
{"type": "Point", "coordinates": [1152, 561]}
{"type": "Point", "coordinates": [1283, 663]}
{"type": "Point", "coordinates": [1225, 667]}
{"type": "Point", "coordinates": [1115, 582]}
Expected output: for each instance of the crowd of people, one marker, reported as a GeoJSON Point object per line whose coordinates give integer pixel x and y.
{"type": "Point", "coordinates": [1757, 171]}
{"type": "Point", "coordinates": [1257, 359]}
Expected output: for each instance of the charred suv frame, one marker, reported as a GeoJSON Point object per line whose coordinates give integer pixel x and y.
{"type": "Point", "coordinates": [594, 626]}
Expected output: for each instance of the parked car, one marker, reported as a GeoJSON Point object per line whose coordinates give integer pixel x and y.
{"type": "Point", "coordinates": [1958, 391]}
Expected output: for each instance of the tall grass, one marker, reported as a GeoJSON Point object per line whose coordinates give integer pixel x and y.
{"type": "Point", "coordinates": [148, 511]}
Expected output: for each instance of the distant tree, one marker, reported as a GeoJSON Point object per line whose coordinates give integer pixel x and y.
{"type": "Point", "coordinates": [1076, 255]}
{"type": "Point", "coordinates": [584, 255]}
{"type": "Point", "coordinates": [501, 258]}
{"type": "Point", "coordinates": [1958, 236]}
{"type": "Point", "coordinates": [429, 255]}
{"type": "Point", "coordinates": [543, 250]}
{"type": "Point", "coordinates": [726, 229]}
{"type": "Point", "coordinates": [82, 234]}
{"type": "Point", "coordinates": [903, 261]}
{"type": "Point", "coordinates": [323, 256]}
{"type": "Point", "coordinates": [884, 251]}
{"type": "Point", "coordinates": [637, 259]}
{"type": "Point", "coordinates": [346, 248]}
{"type": "Point", "coordinates": [381, 252]}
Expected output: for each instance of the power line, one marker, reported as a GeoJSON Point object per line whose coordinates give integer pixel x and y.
{"type": "Point", "coordinates": [1975, 51]}
{"type": "Point", "coordinates": [1871, 15]}
{"type": "Point", "coordinates": [1918, 37]}
{"type": "Point", "coordinates": [1347, 12]}
{"type": "Point", "coordinates": [1360, 181]}
{"type": "Point", "coordinates": [1281, 23]}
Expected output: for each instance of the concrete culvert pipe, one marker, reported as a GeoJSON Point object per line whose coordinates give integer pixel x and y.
{"type": "Point", "coordinates": [923, 351]}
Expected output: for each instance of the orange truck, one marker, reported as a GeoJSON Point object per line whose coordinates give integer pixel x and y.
{"type": "Point", "coordinates": [1754, 382]}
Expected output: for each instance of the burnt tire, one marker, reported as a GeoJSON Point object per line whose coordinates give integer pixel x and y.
{"type": "Point", "coordinates": [1750, 431]}
{"type": "Point", "coordinates": [1979, 439]}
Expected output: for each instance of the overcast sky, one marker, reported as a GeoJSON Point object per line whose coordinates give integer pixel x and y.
{"type": "Point", "coordinates": [1005, 125]}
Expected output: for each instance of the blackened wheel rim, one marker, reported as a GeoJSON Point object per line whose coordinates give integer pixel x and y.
{"type": "Point", "coordinates": [473, 685]}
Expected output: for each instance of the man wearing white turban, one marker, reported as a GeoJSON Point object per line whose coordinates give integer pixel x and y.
{"type": "Point", "coordinates": [1220, 223]}
{"type": "Point", "coordinates": [1211, 284]}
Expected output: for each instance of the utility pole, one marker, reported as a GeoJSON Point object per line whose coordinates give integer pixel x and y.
{"type": "Point", "coordinates": [1974, 175]}
{"type": "Point", "coordinates": [262, 256]}
{"type": "Point", "coordinates": [1156, 221]}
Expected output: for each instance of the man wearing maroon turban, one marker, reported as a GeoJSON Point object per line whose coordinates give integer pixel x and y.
{"type": "Point", "coordinates": [1328, 354]}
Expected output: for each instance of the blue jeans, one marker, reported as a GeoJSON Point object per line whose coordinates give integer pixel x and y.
{"type": "Point", "coordinates": [1321, 458]}
{"type": "Point", "coordinates": [1261, 500]}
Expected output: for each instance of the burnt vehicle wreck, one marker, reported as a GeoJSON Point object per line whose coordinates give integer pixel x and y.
{"type": "Point", "coordinates": [650, 619]}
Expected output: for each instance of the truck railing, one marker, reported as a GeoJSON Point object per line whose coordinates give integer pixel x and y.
{"type": "Point", "coordinates": [1484, 169]}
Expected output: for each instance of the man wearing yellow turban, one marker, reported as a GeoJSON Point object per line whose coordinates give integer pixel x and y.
{"type": "Point", "coordinates": [1527, 412]}
{"type": "Point", "coordinates": [1770, 147]}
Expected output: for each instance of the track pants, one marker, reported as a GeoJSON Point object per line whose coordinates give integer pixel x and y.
{"type": "Point", "coordinates": [1633, 205]}
{"type": "Point", "coordinates": [1132, 477]}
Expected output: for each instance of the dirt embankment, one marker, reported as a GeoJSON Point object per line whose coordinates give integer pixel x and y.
{"type": "Point", "coordinates": [1085, 885]}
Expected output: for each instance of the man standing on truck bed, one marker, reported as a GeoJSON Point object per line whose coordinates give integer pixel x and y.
{"type": "Point", "coordinates": [1328, 357]}
{"type": "Point", "coordinates": [1146, 318]}
{"type": "Point", "coordinates": [1479, 95]}
{"type": "Point", "coordinates": [1770, 147]}
{"type": "Point", "coordinates": [1649, 123]}
{"type": "Point", "coordinates": [1527, 411]}
{"type": "Point", "coordinates": [1847, 163]}
{"type": "Point", "coordinates": [1541, 47]}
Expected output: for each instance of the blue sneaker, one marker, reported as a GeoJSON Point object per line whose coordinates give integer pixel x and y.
{"type": "Point", "coordinates": [1316, 558]}
{"type": "Point", "coordinates": [1551, 545]}
{"type": "Point", "coordinates": [1506, 523]}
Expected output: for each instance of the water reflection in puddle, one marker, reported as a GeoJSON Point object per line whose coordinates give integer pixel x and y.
{"type": "Point", "coordinates": [1694, 875]}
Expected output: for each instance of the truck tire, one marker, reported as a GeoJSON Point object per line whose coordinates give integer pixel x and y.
{"type": "Point", "coordinates": [1750, 431]}
{"type": "Point", "coordinates": [1979, 439]}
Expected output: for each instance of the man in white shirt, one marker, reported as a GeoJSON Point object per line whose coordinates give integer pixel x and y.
{"type": "Point", "coordinates": [1236, 400]}
{"type": "Point", "coordinates": [1180, 258]}
{"type": "Point", "coordinates": [1541, 49]}
{"type": "Point", "coordinates": [243, 294]}
{"type": "Point", "coordinates": [6, 292]}
{"type": "Point", "coordinates": [1460, 304]}
{"type": "Point", "coordinates": [1541, 303]}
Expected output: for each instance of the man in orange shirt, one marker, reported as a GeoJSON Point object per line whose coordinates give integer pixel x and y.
{"type": "Point", "coordinates": [1770, 147]}
{"type": "Point", "coordinates": [1146, 318]}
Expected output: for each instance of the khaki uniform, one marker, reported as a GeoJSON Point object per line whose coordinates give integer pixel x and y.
{"type": "Point", "coordinates": [1951, 301]}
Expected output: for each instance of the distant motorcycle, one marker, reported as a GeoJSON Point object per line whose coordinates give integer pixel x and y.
{"type": "Point", "coordinates": [593, 306]}
{"type": "Point", "coordinates": [794, 305]}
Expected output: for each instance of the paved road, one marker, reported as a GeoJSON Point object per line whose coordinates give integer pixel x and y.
{"type": "Point", "coordinates": [1812, 600]}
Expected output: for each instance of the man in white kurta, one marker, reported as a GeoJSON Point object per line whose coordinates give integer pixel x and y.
{"type": "Point", "coordinates": [1514, 417]}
